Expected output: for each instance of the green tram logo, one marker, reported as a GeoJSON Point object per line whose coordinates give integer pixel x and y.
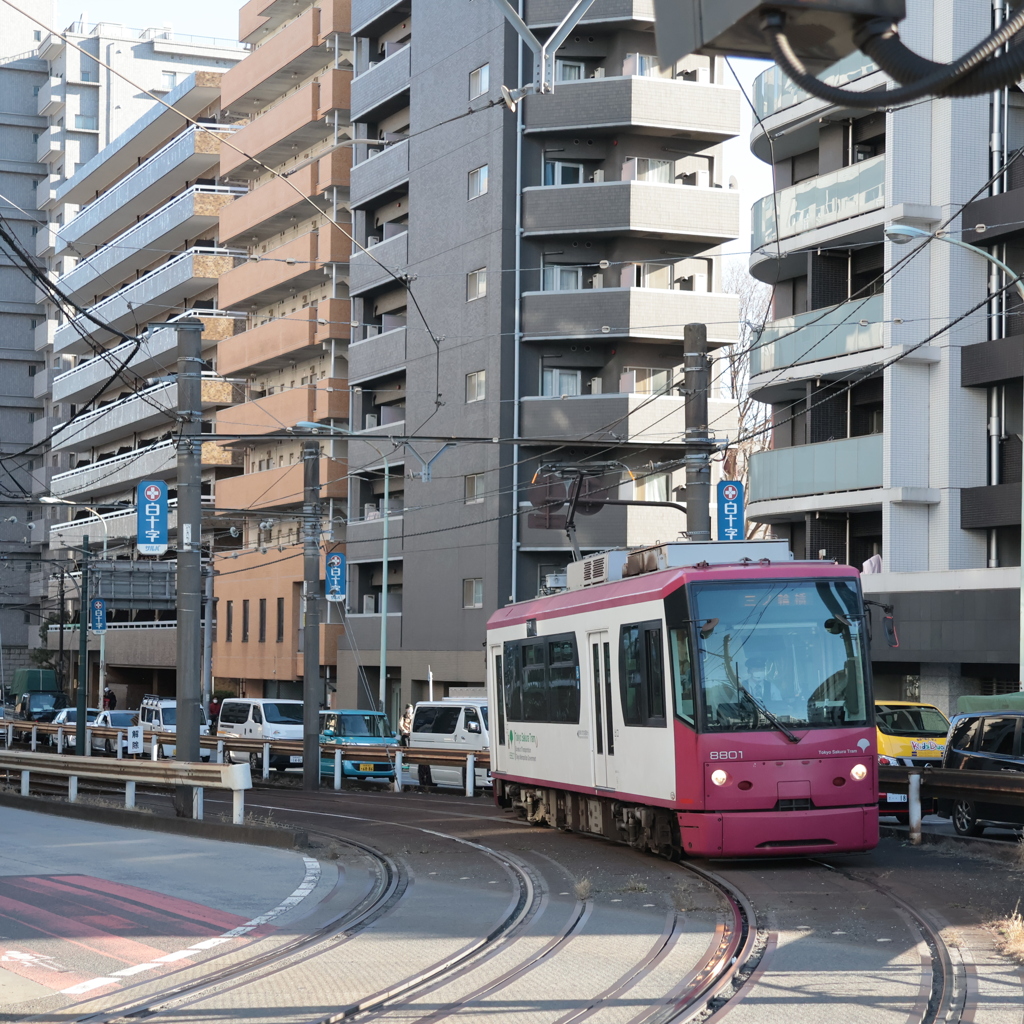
{"type": "Point", "coordinates": [522, 746]}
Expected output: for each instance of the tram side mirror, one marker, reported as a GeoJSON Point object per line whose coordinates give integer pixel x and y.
{"type": "Point", "coordinates": [836, 625]}
{"type": "Point", "coordinates": [889, 624]}
{"type": "Point", "coordinates": [708, 628]}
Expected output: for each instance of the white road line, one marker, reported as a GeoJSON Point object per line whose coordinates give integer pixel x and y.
{"type": "Point", "coordinates": [309, 884]}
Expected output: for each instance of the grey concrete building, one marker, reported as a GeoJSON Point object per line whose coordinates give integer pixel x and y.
{"type": "Point", "coordinates": [526, 277]}
{"type": "Point", "coordinates": [889, 441]}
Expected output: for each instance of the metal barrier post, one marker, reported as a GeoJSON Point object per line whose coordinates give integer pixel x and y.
{"type": "Point", "coordinates": [10, 736]}
{"type": "Point", "coordinates": [72, 788]}
{"type": "Point", "coordinates": [88, 742]}
{"type": "Point", "coordinates": [129, 794]}
{"type": "Point", "coordinates": [220, 751]}
{"type": "Point", "coordinates": [470, 774]}
{"type": "Point", "coordinates": [155, 751]}
{"type": "Point", "coordinates": [120, 750]}
{"type": "Point", "coordinates": [337, 768]}
{"type": "Point", "coordinates": [24, 783]}
{"type": "Point", "coordinates": [197, 803]}
{"type": "Point", "coordinates": [266, 761]}
{"type": "Point", "coordinates": [33, 744]}
{"type": "Point", "coordinates": [238, 807]}
{"type": "Point", "coordinates": [914, 802]}
{"type": "Point", "coordinates": [398, 770]}
{"type": "Point", "coordinates": [60, 739]}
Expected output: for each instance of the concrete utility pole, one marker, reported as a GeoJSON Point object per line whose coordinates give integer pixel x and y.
{"type": "Point", "coordinates": [189, 595]}
{"type": "Point", "coordinates": [208, 635]}
{"type": "Point", "coordinates": [311, 685]}
{"type": "Point", "coordinates": [696, 382]}
{"type": "Point", "coordinates": [82, 703]}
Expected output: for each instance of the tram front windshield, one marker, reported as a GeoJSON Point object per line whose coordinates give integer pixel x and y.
{"type": "Point", "coordinates": [780, 655]}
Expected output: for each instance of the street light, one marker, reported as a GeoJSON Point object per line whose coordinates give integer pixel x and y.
{"type": "Point", "coordinates": [903, 233]}
{"type": "Point", "coordinates": [383, 684]}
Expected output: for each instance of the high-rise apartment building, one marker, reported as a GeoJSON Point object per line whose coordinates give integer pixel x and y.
{"type": "Point", "coordinates": [888, 440]}
{"type": "Point", "coordinates": [292, 97]}
{"type": "Point", "coordinates": [524, 277]}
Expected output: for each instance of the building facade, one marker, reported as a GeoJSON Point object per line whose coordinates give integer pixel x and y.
{"type": "Point", "coordinates": [523, 277]}
{"type": "Point", "coordinates": [896, 417]}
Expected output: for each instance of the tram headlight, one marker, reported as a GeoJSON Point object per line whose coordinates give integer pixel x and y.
{"type": "Point", "coordinates": [719, 777]}
{"type": "Point", "coordinates": [858, 772]}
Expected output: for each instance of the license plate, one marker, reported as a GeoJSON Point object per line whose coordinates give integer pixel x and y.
{"type": "Point", "coordinates": [896, 798]}
{"type": "Point", "coordinates": [366, 767]}
{"type": "Point", "coordinates": [295, 759]}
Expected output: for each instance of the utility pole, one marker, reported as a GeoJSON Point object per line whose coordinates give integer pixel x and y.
{"type": "Point", "coordinates": [311, 685]}
{"type": "Point", "coordinates": [62, 670]}
{"type": "Point", "coordinates": [82, 703]}
{"type": "Point", "coordinates": [696, 382]}
{"type": "Point", "coordinates": [382, 690]}
{"type": "Point", "coordinates": [208, 635]}
{"type": "Point", "coordinates": [189, 599]}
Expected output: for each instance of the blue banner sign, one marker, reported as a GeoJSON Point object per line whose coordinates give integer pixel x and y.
{"type": "Point", "coordinates": [152, 517]}
{"type": "Point", "coordinates": [98, 614]}
{"type": "Point", "coordinates": [334, 581]}
{"type": "Point", "coordinates": [731, 524]}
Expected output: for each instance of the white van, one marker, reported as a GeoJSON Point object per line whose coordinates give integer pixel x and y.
{"type": "Point", "coordinates": [160, 714]}
{"type": "Point", "coordinates": [261, 718]}
{"type": "Point", "coordinates": [454, 723]}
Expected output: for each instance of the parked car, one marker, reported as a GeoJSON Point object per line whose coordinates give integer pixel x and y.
{"type": "Point", "coordinates": [910, 734]}
{"type": "Point", "coordinates": [112, 720]}
{"type": "Point", "coordinates": [453, 723]}
{"type": "Point", "coordinates": [352, 728]}
{"type": "Point", "coordinates": [988, 742]}
{"type": "Point", "coordinates": [261, 718]}
{"type": "Point", "coordinates": [160, 714]}
{"type": "Point", "coordinates": [39, 705]}
{"type": "Point", "coordinates": [68, 718]}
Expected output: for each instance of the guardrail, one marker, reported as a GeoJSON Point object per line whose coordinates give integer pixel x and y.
{"type": "Point", "coordinates": [199, 775]}
{"type": "Point", "coordinates": [220, 746]}
{"type": "Point", "coordinates": [949, 783]}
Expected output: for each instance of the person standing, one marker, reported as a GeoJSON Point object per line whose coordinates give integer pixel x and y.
{"type": "Point", "coordinates": [405, 726]}
{"type": "Point", "coordinates": [109, 700]}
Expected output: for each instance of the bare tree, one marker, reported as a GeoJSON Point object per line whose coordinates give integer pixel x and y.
{"type": "Point", "coordinates": [753, 417]}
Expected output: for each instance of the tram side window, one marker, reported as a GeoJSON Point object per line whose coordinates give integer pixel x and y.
{"type": "Point", "coordinates": [642, 675]}
{"type": "Point", "coordinates": [542, 680]}
{"type": "Point", "coordinates": [682, 673]}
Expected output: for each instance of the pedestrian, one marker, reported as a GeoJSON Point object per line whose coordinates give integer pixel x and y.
{"type": "Point", "coordinates": [405, 726]}
{"type": "Point", "coordinates": [214, 711]}
{"type": "Point", "coordinates": [109, 700]}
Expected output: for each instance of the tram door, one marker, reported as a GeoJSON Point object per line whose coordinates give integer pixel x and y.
{"type": "Point", "coordinates": [602, 744]}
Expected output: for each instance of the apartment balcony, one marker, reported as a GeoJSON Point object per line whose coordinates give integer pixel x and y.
{"type": "Point", "coordinates": [662, 106]}
{"type": "Point", "coordinates": [334, 170]}
{"type": "Point", "coordinates": [381, 89]}
{"type": "Point", "coordinates": [270, 70]}
{"type": "Point", "coordinates": [158, 352]}
{"type": "Point", "coordinates": [687, 213]}
{"type": "Point", "coordinates": [987, 508]}
{"type": "Point", "coordinates": [51, 97]}
{"type": "Point", "coordinates": [42, 383]}
{"type": "Point", "coordinates": [655, 314]}
{"type": "Point", "coordinates": [827, 333]}
{"type": "Point", "coordinates": [50, 145]}
{"type": "Point", "coordinates": [366, 12]}
{"type": "Point", "coordinates": [819, 202]}
{"type": "Point", "coordinates": [284, 271]}
{"type": "Point", "coordinates": [636, 14]}
{"type": "Point", "coordinates": [46, 240]}
{"type": "Point", "coordinates": [137, 413]}
{"type": "Point", "coordinates": [369, 270]}
{"type": "Point", "coordinates": [123, 472]}
{"type": "Point", "coordinates": [281, 486]}
{"type": "Point", "coordinates": [853, 464]}
{"type": "Point", "coordinates": [116, 527]}
{"type": "Point", "coordinates": [383, 171]}
{"type": "Point", "coordinates": [296, 123]}
{"type": "Point", "coordinates": [269, 209]}
{"type": "Point", "coordinates": [182, 277]}
{"type": "Point", "coordinates": [192, 154]}
{"type": "Point", "coordinates": [271, 345]}
{"type": "Point", "coordinates": [774, 90]}
{"type": "Point", "coordinates": [193, 214]}
{"type": "Point", "coordinates": [600, 419]}
{"type": "Point", "coordinates": [327, 399]}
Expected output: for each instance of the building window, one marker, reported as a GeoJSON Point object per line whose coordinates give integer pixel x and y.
{"type": "Point", "coordinates": [86, 122]}
{"type": "Point", "coordinates": [263, 620]}
{"type": "Point", "coordinates": [560, 383]}
{"type": "Point", "coordinates": [474, 488]}
{"type": "Point", "coordinates": [561, 279]}
{"type": "Point", "coordinates": [32, 367]}
{"type": "Point", "coordinates": [562, 172]}
{"type": "Point", "coordinates": [649, 169]}
{"type": "Point", "coordinates": [472, 593]}
{"type": "Point", "coordinates": [568, 70]}
{"type": "Point", "coordinates": [477, 181]}
{"type": "Point", "coordinates": [652, 488]}
{"type": "Point", "coordinates": [280, 620]}
{"type": "Point", "coordinates": [476, 386]}
{"type": "Point", "coordinates": [229, 625]}
{"type": "Point", "coordinates": [35, 90]}
{"type": "Point", "coordinates": [476, 284]}
{"type": "Point", "coordinates": [170, 79]}
{"type": "Point", "coordinates": [644, 64]}
{"type": "Point", "coordinates": [37, 35]}
{"type": "Point", "coordinates": [245, 621]}
{"type": "Point", "coordinates": [480, 81]}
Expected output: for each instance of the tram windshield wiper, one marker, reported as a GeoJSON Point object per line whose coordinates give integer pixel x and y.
{"type": "Point", "coordinates": [734, 678]}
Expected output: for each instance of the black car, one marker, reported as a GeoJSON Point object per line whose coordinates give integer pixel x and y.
{"type": "Point", "coordinates": [39, 705]}
{"type": "Point", "coordinates": [989, 742]}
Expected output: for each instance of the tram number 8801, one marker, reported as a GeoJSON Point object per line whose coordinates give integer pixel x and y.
{"type": "Point", "coordinates": [726, 755]}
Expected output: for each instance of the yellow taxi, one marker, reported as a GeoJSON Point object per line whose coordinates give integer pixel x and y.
{"type": "Point", "coordinates": [910, 734]}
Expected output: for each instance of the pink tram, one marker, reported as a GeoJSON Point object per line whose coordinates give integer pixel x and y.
{"type": "Point", "coordinates": [711, 700]}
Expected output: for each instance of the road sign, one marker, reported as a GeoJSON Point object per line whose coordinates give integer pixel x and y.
{"type": "Point", "coordinates": [152, 518]}
{"type": "Point", "coordinates": [98, 615]}
{"type": "Point", "coordinates": [134, 739]}
{"type": "Point", "coordinates": [334, 580]}
{"type": "Point", "coordinates": [731, 524]}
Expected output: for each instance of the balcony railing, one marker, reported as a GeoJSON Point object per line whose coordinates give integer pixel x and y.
{"type": "Point", "coordinates": [819, 202]}
{"type": "Point", "coordinates": [774, 90]}
{"type": "Point", "coordinates": [118, 471]}
{"type": "Point", "coordinates": [854, 326]}
{"type": "Point", "coordinates": [853, 464]}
